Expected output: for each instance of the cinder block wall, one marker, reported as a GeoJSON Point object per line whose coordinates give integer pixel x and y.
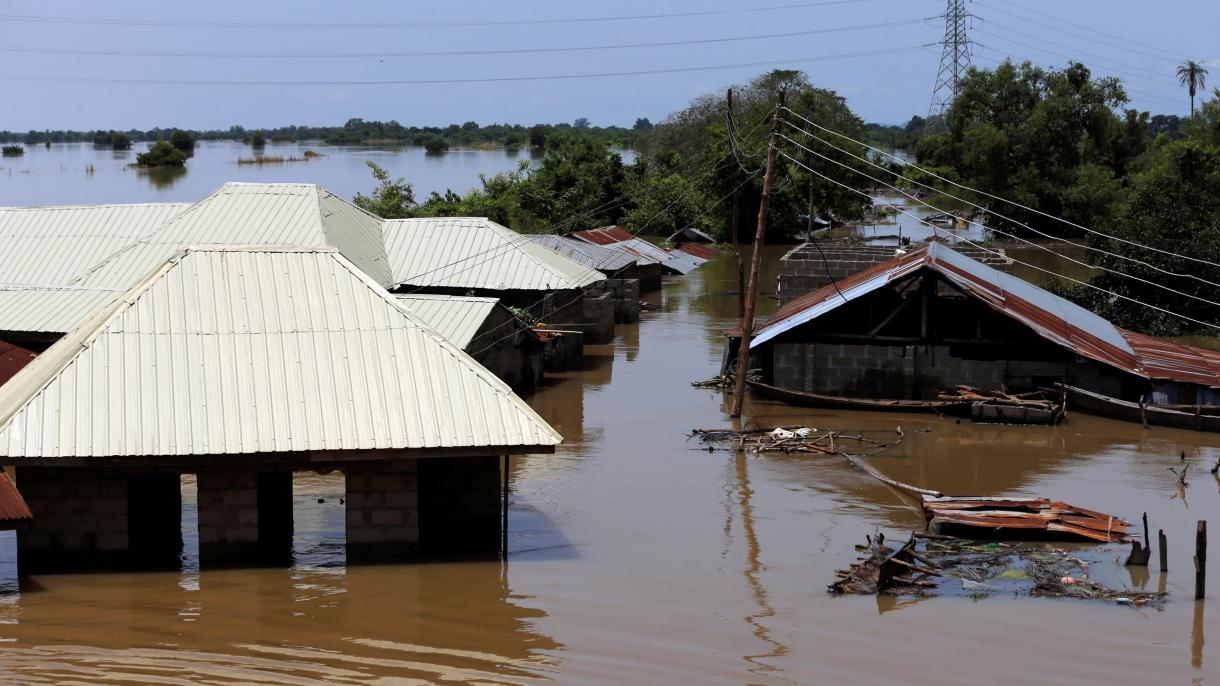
{"type": "Point", "coordinates": [80, 519]}
{"type": "Point", "coordinates": [382, 510]}
{"type": "Point", "coordinates": [228, 516]}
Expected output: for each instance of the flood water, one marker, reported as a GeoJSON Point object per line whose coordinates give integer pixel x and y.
{"type": "Point", "coordinates": [78, 173]}
{"type": "Point", "coordinates": [638, 558]}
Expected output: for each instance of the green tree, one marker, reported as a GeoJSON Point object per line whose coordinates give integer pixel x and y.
{"type": "Point", "coordinates": [119, 141]}
{"type": "Point", "coordinates": [161, 154]}
{"type": "Point", "coordinates": [1049, 139]}
{"type": "Point", "coordinates": [642, 124]}
{"type": "Point", "coordinates": [258, 139]}
{"type": "Point", "coordinates": [183, 141]}
{"type": "Point", "coordinates": [1193, 76]}
{"type": "Point", "coordinates": [392, 199]}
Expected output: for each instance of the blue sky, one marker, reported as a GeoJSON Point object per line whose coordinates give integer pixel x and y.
{"type": "Point", "coordinates": [1137, 40]}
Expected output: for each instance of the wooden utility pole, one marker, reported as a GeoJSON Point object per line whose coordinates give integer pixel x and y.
{"type": "Point", "coordinates": [741, 272]}
{"type": "Point", "coordinates": [747, 319]}
{"type": "Point", "coordinates": [1200, 559]}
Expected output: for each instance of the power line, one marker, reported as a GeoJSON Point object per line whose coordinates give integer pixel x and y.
{"type": "Point", "coordinates": [329, 25]}
{"type": "Point", "coordinates": [912, 197]}
{"type": "Point", "coordinates": [1151, 73]}
{"type": "Point", "coordinates": [1094, 29]}
{"type": "Point", "coordinates": [1125, 46]}
{"type": "Point", "coordinates": [937, 229]}
{"type": "Point", "coordinates": [1083, 246]}
{"type": "Point", "coordinates": [954, 58]}
{"type": "Point", "coordinates": [1004, 200]}
{"type": "Point", "coordinates": [446, 53]}
{"type": "Point", "coordinates": [425, 82]}
{"type": "Point", "coordinates": [1126, 88]}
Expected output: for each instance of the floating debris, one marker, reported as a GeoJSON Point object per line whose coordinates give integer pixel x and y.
{"type": "Point", "coordinates": [1022, 518]}
{"type": "Point", "coordinates": [1000, 407]}
{"type": "Point", "coordinates": [928, 565]}
{"type": "Point", "coordinates": [786, 439]}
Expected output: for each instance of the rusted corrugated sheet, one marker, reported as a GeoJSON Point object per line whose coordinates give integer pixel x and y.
{"type": "Point", "coordinates": [604, 236]}
{"type": "Point", "coordinates": [700, 250]}
{"type": "Point", "coordinates": [1003, 517]}
{"type": "Point", "coordinates": [1048, 315]}
{"type": "Point", "coordinates": [12, 359]}
{"type": "Point", "coordinates": [13, 510]}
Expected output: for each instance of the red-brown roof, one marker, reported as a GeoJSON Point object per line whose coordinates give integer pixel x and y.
{"type": "Point", "coordinates": [1048, 315]}
{"type": "Point", "coordinates": [13, 510]}
{"type": "Point", "coordinates": [701, 250]}
{"type": "Point", "coordinates": [12, 359]}
{"type": "Point", "coordinates": [605, 235]}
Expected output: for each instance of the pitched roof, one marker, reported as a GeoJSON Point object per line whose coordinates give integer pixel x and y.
{"type": "Point", "coordinates": [254, 214]}
{"type": "Point", "coordinates": [701, 250]}
{"type": "Point", "coordinates": [456, 317]}
{"type": "Point", "coordinates": [690, 234]}
{"type": "Point", "coordinates": [50, 246]}
{"type": "Point", "coordinates": [240, 350]}
{"type": "Point", "coordinates": [1046, 314]}
{"type": "Point", "coordinates": [592, 255]}
{"type": "Point", "coordinates": [475, 252]}
{"type": "Point", "coordinates": [604, 236]}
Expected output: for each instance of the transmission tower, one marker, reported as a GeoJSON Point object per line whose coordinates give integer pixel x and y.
{"type": "Point", "coordinates": [954, 58]}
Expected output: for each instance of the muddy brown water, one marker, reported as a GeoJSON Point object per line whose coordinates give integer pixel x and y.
{"type": "Point", "coordinates": [638, 558]}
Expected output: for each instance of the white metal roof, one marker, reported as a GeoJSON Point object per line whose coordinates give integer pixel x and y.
{"type": "Point", "coordinates": [229, 350]}
{"type": "Point", "coordinates": [254, 214]}
{"type": "Point", "coordinates": [589, 254]}
{"type": "Point", "coordinates": [456, 317]}
{"type": "Point", "coordinates": [683, 263]}
{"type": "Point", "coordinates": [475, 252]}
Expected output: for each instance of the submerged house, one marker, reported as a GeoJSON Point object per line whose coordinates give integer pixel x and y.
{"type": "Point", "coordinates": [627, 274]}
{"type": "Point", "coordinates": [241, 365]}
{"type": "Point", "coordinates": [617, 238]}
{"type": "Point", "coordinates": [934, 318]}
{"type": "Point", "coordinates": [692, 241]}
{"type": "Point", "coordinates": [476, 256]}
{"type": "Point", "coordinates": [487, 331]}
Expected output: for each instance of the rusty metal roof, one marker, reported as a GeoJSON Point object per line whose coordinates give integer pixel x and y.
{"type": "Point", "coordinates": [1050, 316]}
{"type": "Point", "coordinates": [604, 236]}
{"type": "Point", "coordinates": [12, 359]}
{"type": "Point", "coordinates": [13, 510]}
{"type": "Point", "coordinates": [700, 250]}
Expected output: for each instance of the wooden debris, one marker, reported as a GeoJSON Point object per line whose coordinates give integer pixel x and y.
{"type": "Point", "coordinates": [1141, 554]}
{"type": "Point", "coordinates": [1000, 407]}
{"type": "Point", "coordinates": [1021, 518]}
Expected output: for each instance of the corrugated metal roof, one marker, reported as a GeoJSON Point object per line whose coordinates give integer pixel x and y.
{"type": "Point", "coordinates": [701, 250]}
{"type": "Point", "coordinates": [604, 236]}
{"type": "Point", "coordinates": [13, 510]}
{"type": "Point", "coordinates": [1048, 315]}
{"type": "Point", "coordinates": [50, 246]}
{"type": "Point", "coordinates": [475, 252]}
{"type": "Point", "coordinates": [254, 214]}
{"type": "Point", "coordinates": [591, 255]}
{"type": "Point", "coordinates": [456, 317]}
{"type": "Point", "coordinates": [227, 350]}
{"type": "Point", "coordinates": [690, 234]}
{"type": "Point", "coordinates": [683, 263]}
{"type": "Point", "coordinates": [48, 310]}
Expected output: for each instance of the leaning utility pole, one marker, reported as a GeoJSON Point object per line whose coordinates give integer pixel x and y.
{"type": "Point", "coordinates": [954, 59]}
{"type": "Point", "coordinates": [747, 319]}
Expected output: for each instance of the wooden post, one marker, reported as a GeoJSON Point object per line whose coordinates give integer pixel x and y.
{"type": "Point", "coordinates": [1164, 548]}
{"type": "Point", "coordinates": [747, 318]}
{"type": "Point", "coordinates": [741, 272]}
{"type": "Point", "coordinates": [1200, 558]}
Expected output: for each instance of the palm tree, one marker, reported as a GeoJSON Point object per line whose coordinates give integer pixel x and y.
{"type": "Point", "coordinates": [1192, 75]}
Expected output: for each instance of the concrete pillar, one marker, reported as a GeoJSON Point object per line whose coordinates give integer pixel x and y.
{"type": "Point", "coordinates": [154, 521]}
{"type": "Point", "coordinates": [459, 506]}
{"type": "Point", "coordinates": [382, 511]}
{"type": "Point", "coordinates": [245, 518]}
{"type": "Point", "coordinates": [80, 519]}
{"type": "Point", "coordinates": [228, 518]}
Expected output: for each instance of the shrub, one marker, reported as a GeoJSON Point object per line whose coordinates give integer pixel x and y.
{"type": "Point", "coordinates": [161, 154]}
{"type": "Point", "coordinates": [13, 151]}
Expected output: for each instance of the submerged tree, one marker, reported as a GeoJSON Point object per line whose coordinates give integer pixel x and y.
{"type": "Point", "coordinates": [161, 154]}
{"type": "Point", "coordinates": [392, 199]}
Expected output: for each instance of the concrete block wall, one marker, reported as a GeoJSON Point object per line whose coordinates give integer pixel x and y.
{"type": "Point", "coordinates": [228, 516]}
{"type": "Point", "coordinates": [80, 519]}
{"type": "Point", "coordinates": [626, 298]}
{"type": "Point", "coordinates": [897, 371]}
{"type": "Point", "coordinates": [382, 510]}
{"type": "Point", "coordinates": [460, 505]}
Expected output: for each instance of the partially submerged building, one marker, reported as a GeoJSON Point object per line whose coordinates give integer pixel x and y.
{"type": "Point", "coordinates": [618, 238]}
{"type": "Point", "coordinates": [241, 365]}
{"type": "Point", "coordinates": [694, 242]}
{"type": "Point", "coordinates": [627, 274]}
{"type": "Point", "coordinates": [487, 331]}
{"type": "Point", "coordinates": [476, 256]}
{"type": "Point", "coordinates": [934, 318]}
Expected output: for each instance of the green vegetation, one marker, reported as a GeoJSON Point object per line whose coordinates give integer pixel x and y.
{"type": "Point", "coordinates": [183, 140]}
{"type": "Point", "coordinates": [896, 137]}
{"type": "Point", "coordinates": [258, 139]}
{"type": "Point", "coordinates": [161, 154]}
{"type": "Point", "coordinates": [115, 140]}
{"type": "Point", "coordinates": [13, 151]}
{"type": "Point", "coordinates": [686, 173]}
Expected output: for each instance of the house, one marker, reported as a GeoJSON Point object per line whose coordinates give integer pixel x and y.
{"type": "Point", "coordinates": [476, 256]}
{"type": "Point", "coordinates": [615, 237]}
{"type": "Point", "coordinates": [694, 242]}
{"type": "Point", "coordinates": [241, 365]}
{"type": "Point", "coordinates": [934, 318]}
{"type": "Point", "coordinates": [619, 266]}
{"type": "Point", "coordinates": [486, 330]}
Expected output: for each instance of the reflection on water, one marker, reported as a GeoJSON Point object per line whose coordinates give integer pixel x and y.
{"type": "Point", "coordinates": [638, 557]}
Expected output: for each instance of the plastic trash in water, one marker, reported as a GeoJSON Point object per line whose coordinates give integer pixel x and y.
{"type": "Point", "coordinates": [1123, 601]}
{"type": "Point", "coordinates": [782, 433]}
{"type": "Point", "coordinates": [1066, 580]}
